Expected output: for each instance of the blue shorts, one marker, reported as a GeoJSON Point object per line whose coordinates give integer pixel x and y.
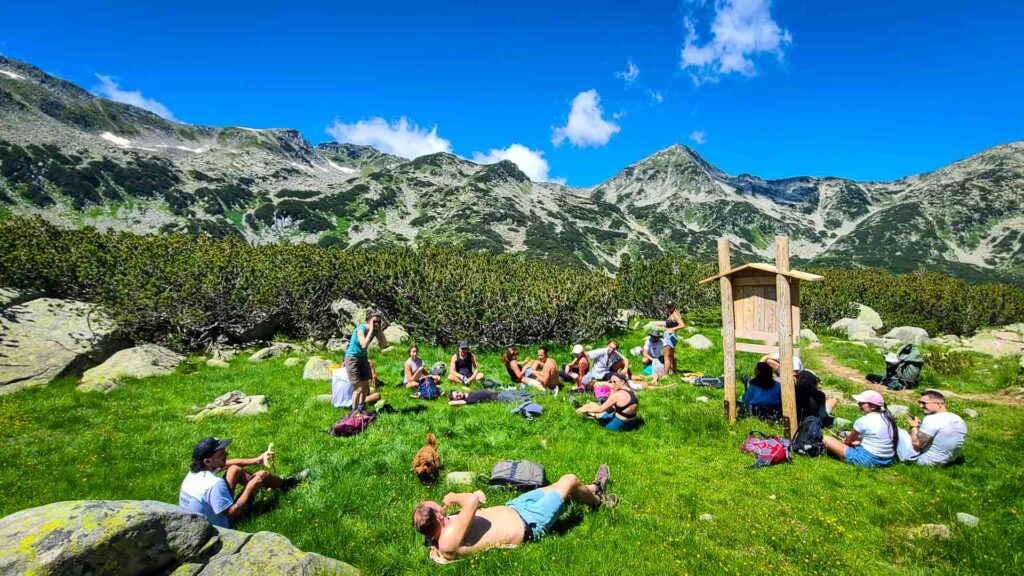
{"type": "Point", "coordinates": [538, 509]}
{"type": "Point", "coordinates": [858, 456]}
{"type": "Point", "coordinates": [610, 422]}
{"type": "Point", "coordinates": [670, 339]}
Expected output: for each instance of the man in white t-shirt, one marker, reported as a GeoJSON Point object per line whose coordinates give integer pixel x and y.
{"type": "Point", "coordinates": [653, 349]}
{"type": "Point", "coordinates": [938, 438]}
{"type": "Point", "coordinates": [607, 361]}
{"type": "Point", "coordinates": [213, 496]}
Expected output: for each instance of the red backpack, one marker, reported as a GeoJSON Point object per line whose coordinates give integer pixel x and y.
{"type": "Point", "coordinates": [352, 424]}
{"type": "Point", "coordinates": [767, 449]}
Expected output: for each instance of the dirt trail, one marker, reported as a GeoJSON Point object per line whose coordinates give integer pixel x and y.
{"type": "Point", "coordinates": [833, 367]}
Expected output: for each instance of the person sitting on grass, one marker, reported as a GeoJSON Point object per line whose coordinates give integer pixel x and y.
{"type": "Point", "coordinates": [357, 357]}
{"type": "Point", "coordinates": [673, 322]}
{"type": "Point", "coordinates": [607, 362]}
{"type": "Point", "coordinates": [413, 369]}
{"type": "Point", "coordinates": [577, 371]}
{"type": "Point", "coordinates": [343, 393]}
{"type": "Point", "coordinates": [937, 439]}
{"type": "Point", "coordinates": [460, 398]}
{"type": "Point", "coordinates": [873, 441]}
{"type": "Point", "coordinates": [545, 373]}
{"type": "Point", "coordinates": [810, 400]}
{"type": "Point", "coordinates": [902, 369]}
{"type": "Point", "coordinates": [763, 396]}
{"type": "Point", "coordinates": [463, 368]}
{"type": "Point", "coordinates": [516, 370]}
{"type": "Point", "coordinates": [618, 412]}
{"type": "Point", "coordinates": [213, 496]}
{"type": "Point", "coordinates": [474, 529]}
{"type": "Point", "coordinates": [653, 350]}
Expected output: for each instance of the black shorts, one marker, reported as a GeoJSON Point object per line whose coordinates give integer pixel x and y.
{"type": "Point", "coordinates": [358, 368]}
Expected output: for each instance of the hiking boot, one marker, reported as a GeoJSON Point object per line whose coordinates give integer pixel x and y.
{"type": "Point", "coordinates": [293, 481]}
{"type": "Point", "coordinates": [575, 403]}
{"type": "Point", "coordinates": [601, 478]}
{"type": "Point", "coordinates": [609, 500]}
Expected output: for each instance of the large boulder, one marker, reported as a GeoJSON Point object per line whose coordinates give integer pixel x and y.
{"type": "Point", "coordinates": [699, 342]}
{"type": "Point", "coordinates": [234, 403]}
{"type": "Point", "coordinates": [101, 537]}
{"type": "Point", "coordinates": [317, 368]}
{"type": "Point", "coordinates": [47, 337]}
{"type": "Point", "coordinates": [273, 351]}
{"type": "Point", "coordinates": [853, 329]}
{"type": "Point", "coordinates": [349, 314]}
{"type": "Point", "coordinates": [144, 537]}
{"type": "Point", "coordinates": [13, 296]}
{"type": "Point", "coordinates": [809, 335]}
{"type": "Point", "coordinates": [394, 334]}
{"type": "Point", "coordinates": [908, 335]}
{"type": "Point", "coordinates": [995, 343]}
{"type": "Point", "coordinates": [868, 317]}
{"type": "Point", "coordinates": [138, 362]}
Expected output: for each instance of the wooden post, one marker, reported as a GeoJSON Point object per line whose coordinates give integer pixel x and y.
{"type": "Point", "coordinates": [728, 330]}
{"type": "Point", "coordinates": [785, 322]}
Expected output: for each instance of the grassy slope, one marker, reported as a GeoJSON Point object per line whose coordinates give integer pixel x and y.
{"type": "Point", "coordinates": [826, 517]}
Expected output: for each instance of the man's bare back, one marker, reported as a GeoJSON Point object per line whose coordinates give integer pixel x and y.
{"type": "Point", "coordinates": [494, 527]}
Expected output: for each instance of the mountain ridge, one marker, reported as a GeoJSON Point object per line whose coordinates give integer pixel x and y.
{"type": "Point", "coordinates": [77, 159]}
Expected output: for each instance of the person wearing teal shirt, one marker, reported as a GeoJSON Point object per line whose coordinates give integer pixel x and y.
{"type": "Point", "coordinates": [357, 358]}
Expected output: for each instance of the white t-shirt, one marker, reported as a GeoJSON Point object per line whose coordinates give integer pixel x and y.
{"type": "Point", "coordinates": [341, 389]}
{"type": "Point", "coordinates": [875, 435]}
{"type": "Point", "coordinates": [653, 348]}
{"type": "Point", "coordinates": [603, 361]}
{"type": "Point", "coordinates": [413, 365]}
{"type": "Point", "coordinates": [206, 493]}
{"type": "Point", "coordinates": [948, 432]}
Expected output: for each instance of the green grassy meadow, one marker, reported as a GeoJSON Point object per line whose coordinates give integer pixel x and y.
{"type": "Point", "coordinates": [814, 516]}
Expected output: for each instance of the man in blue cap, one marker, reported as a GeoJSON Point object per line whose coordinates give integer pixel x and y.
{"type": "Point", "coordinates": [213, 496]}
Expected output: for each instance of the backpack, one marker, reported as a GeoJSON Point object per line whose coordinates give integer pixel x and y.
{"type": "Point", "coordinates": [428, 389]}
{"type": "Point", "coordinates": [352, 424]}
{"type": "Point", "coordinates": [767, 449]}
{"type": "Point", "coordinates": [529, 409]}
{"type": "Point", "coordinates": [519, 474]}
{"type": "Point", "coordinates": [807, 441]}
{"type": "Point", "coordinates": [488, 383]}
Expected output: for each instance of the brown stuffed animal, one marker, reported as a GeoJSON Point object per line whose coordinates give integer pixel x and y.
{"type": "Point", "coordinates": [427, 463]}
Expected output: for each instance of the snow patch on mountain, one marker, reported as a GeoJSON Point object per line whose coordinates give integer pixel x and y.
{"type": "Point", "coordinates": [122, 142]}
{"type": "Point", "coordinates": [12, 75]}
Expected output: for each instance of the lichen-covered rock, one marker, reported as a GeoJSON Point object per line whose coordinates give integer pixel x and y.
{"type": "Point", "coordinates": [317, 368]}
{"type": "Point", "coordinates": [273, 351]}
{"type": "Point", "coordinates": [13, 296]}
{"type": "Point", "coordinates": [854, 329]}
{"type": "Point", "coordinates": [268, 553]}
{"type": "Point", "coordinates": [292, 362]}
{"type": "Point", "coordinates": [989, 342]}
{"type": "Point", "coordinates": [217, 363]}
{"type": "Point", "coordinates": [101, 537]}
{"type": "Point", "coordinates": [868, 317]}
{"type": "Point", "coordinates": [47, 337]}
{"type": "Point", "coordinates": [234, 403]}
{"type": "Point", "coordinates": [337, 345]}
{"type": "Point", "coordinates": [394, 334]}
{"type": "Point", "coordinates": [908, 334]}
{"type": "Point", "coordinates": [699, 342]}
{"type": "Point", "coordinates": [809, 335]}
{"type": "Point", "coordinates": [138, 362]}
{"type": "Point", "coordinates": [932, 532]}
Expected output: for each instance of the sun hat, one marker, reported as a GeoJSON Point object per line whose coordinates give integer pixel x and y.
{"type": "Point", "coordinates": [208, 447]}
{"type": "Point", "coordinates": [870, 397]}
{"type": "Point", "coordinates": [577, 349]}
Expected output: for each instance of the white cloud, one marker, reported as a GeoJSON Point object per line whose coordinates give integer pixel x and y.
{"type": "Point", "coordinates": [585, 127]}
{"type": "Point", "coordinates": [740, 30]}
{"type": "Point", "coordinates": [109, 89]}
{"type": "Point", "coordinates": [531, 162]}
{"type": "Point", "coordinates": [630, 73]}
{"type": "Point", "coordinates": [402, 137]}
{"type": "Point", "coordinates": [657, 96]}
{"type": "Point", "coordinates": [699, 136]}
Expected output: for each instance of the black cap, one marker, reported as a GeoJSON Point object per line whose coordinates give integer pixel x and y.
{"type": "Point", "coordinates": [208, 446]}
{"type": "Point", "coordinates": [463, 344]}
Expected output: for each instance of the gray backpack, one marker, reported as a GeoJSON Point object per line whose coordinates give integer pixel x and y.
{"type": "Point", "coordinates": [518, 474]}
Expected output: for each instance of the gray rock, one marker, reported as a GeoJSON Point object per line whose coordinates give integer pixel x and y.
{"type": "Point", "coordinates": [225, 354]}
{"type": "Point", "coordinates": [47, 337]}
{"type": "Point", "coordinates": [337, 345]}
{"type": "Point", "coordinates": [868, 317]}
{"type": "Point", "coordinates": [138, 362]}
{"type": "Point", "coordinates": [394, 334]}
{"type": "Point", "coordinates": [317, 368]}
{"type": "Point", "coordinates": [699, 342]}
{"type": "Point", "coordinates": [853, 329]}
{"type": "Point", "coordinates": [13, 296]}
{"type": "Point", "coordinates": [705, 518]}
{"type": "Point", "coordinates": [291, 362]}
{"type": "Point", "coordinates": [968, 519]}
{"type": "Point", "coordinates": [908, 335]}
{"type": "Point", "coordinates": [987, 342]}
{"type": "Point", "coordinates": [809, 335]}
{"type": "Point", "coordinates": [348, 312]}
{"type": "Point", "coordinates": [932, 531]}
{"type": "Point", "coordinates": [269, 553]}
{"type": "Point", "coordinates": [841, 423]}
{"type": "Point", "coordinates": [883, 343]}
{"type": "Point", "coordinates": [273, 351]}
{"type": "Point", "coordinates": [110, 537]}
{"type": "Point", "coordinates": [704, 399]}
{"type": "Point", "coordinates": [971, 412]}
{"type": "Point", "coordinates": [256, 405]}
{"type": "Point", "coordinates": [897, 410]}
{"type": "Point", "coordinates": [234, 403]}
{"type": "Point", "coordinates": [654, 325]}
{"type": "Point", "coordinates": [217, 363]}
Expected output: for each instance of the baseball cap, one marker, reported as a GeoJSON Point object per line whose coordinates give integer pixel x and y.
{"type": "Point", "coordinates": [577, 349]}
{"type": "Point", "coordinates": [655, 334]}
{"type": "Point", "coordinates": [208, 446]}
{"type": "Point", "coordinates": [870, 397]}
{"type": "Point", "coordinates": [463, 344]}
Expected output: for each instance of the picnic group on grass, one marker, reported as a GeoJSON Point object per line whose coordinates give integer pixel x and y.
{"type": "Point", "coordinates": [460, 525]}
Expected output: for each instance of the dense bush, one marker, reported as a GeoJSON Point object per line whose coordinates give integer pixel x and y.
{"type": "Point", "coordinates": [190, 291]}
{"type": "Point", "coordinates": [935, 302]}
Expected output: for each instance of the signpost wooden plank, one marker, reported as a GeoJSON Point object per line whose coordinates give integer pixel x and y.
{"type": "Point", "coordinates": [728, 330]}
{"type": "Point", "coordinates": [784, 316]}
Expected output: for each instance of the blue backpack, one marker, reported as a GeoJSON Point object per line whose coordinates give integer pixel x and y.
{"type": "Point", "coordinates": [428, 389]}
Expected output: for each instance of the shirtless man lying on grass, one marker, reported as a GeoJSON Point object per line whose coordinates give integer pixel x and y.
{"type": "Point", "coordinates": [529, 517]}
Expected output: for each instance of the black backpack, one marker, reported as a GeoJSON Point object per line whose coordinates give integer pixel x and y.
{"type": "Point", "coordinates": [807, 441]}
{"type": "Point", "coordinates": [518, 474]}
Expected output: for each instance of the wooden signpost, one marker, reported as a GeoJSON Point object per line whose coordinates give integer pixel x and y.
{"type": "Point", "coordinates": [761, 302]}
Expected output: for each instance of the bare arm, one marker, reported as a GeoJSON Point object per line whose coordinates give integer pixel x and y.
{"type": "Point", "coordinates": [476, 367]}
{"type": "Point", "coordinates": [383, 341]}
{"type": "Point", "coordinates": [452, 535]}
{"type": "Point", "coordinates": [920, 441]}
{"type": "Point", "coordinates": [365, 337]}
{"type": "Point", "coordinates": [254, 483]}
{"type": "Point", "coordinates": [852, 439]}
{"type": "Point", "coordinates": [451, 365]}
{"type": "Point", "coordinates": [608, 404]}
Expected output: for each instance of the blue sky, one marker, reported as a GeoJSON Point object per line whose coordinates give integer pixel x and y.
{"type": "Point", "coordinates": [866, 90]}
